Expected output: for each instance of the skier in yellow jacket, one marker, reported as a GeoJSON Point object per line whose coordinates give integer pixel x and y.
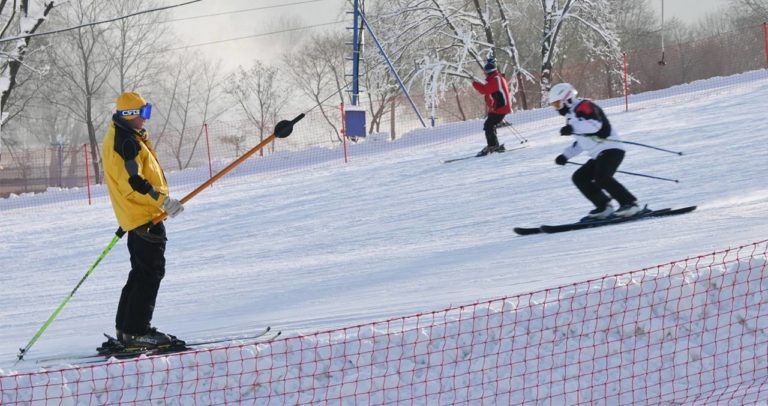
{"type": "Point", "coordinates": [139, 193]}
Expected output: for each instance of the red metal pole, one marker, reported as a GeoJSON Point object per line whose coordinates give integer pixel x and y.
{"type": "Point", "coordinates": [626, 83]}
{"type": "Point", "coordinates": [344, 133]}
{"type": "Point", "coordinates": [208, 146]}
{"type": "Point", "coordinates": [765, 41]}
{"type": "Point", "coordinates": [87, 173]}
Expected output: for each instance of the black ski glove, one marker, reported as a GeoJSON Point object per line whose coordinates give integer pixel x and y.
{"type": "Point", "coordinates": [566, 130]}
{"type": "Point", "coordinates": [561, 160]}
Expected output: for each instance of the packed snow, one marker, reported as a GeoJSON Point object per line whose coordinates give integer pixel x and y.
{"type": "Point", "coordinates": [395, 232]}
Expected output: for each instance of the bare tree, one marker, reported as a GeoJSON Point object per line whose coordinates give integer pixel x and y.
{"type": "Point", "coordinates": [78, 60]}
{"type": "Point", "coordinates": [235, 140]}
{"type": "Point", "coordinates": [317, 71]}
{"type": "Point", "coordinates": [192, 96]}
{"type": "Point", "coordinates": [637, 24]}
{"type": "Point", "coordinates": [134, 42]}
{"type": "Point", "coordinates": [757, 7]}
{"type": "Point", "coordinates": [260, 94]}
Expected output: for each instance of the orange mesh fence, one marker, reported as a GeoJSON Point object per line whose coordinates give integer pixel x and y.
{"type": "Point", "coordinates": [693, 331]}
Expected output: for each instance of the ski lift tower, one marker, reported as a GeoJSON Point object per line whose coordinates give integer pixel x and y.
{"type": "Point", "coordinates": [354, 116]}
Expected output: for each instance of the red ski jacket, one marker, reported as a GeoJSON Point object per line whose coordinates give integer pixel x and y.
{"type": "Point", "coordinates": [496, 91]}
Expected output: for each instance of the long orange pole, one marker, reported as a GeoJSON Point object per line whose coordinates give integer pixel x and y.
{"type": "Point", "coordinates": [219, 175]}
{"type": "Point", "coordinates": [279, 132]}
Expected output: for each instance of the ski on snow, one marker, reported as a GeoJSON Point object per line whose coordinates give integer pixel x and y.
{"type": "Point", "coordinates": [445, 161]}
{"type": "Point", "coordinates": [645, 214]}
{"type": "Point", "coordinates": [112, 348]}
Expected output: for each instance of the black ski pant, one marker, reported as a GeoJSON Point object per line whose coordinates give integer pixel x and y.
{"type": "Point", "coordinates": [489, 127]}
{"type": "Point", "coordinates": [597, 175]}
{"type": "Point", "coordinates": [146, 246]}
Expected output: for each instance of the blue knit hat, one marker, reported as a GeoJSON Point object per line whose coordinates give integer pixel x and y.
{"type": "Point", "coordinates": [490, 66]}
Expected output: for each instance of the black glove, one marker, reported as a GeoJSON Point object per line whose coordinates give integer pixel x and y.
{"type": "Point", "coordinates": [566, 130]}
{"type": "Point", "coordinates": [561, 160]}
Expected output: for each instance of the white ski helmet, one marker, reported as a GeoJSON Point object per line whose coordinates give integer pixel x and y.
{"type": "Point", "coordinates": [562, 92]}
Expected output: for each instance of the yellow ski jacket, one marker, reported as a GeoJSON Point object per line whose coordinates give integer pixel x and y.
{"type": "Point", "coordinates": [135, 180]}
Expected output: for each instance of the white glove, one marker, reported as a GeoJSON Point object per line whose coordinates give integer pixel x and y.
{"type": "Point", "coordinates": [172, 207]}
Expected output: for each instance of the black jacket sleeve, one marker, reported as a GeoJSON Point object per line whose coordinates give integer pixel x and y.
{"type": "Point", "coordinates": [128, 148]}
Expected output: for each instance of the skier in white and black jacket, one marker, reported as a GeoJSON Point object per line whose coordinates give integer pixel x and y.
{"type": "Point", "coordinates": [587, 123]}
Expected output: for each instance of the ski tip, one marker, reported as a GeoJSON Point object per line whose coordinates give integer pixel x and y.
{"type": "Point", "coordinates": [20, 356]}
{"type": "Point", "coordinates": [683, 210]}
{"type": "Point", "coordinates": [527, 230]}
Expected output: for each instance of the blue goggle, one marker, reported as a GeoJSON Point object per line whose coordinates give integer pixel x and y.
{"type": "Point", "coordinates": [144, 112]}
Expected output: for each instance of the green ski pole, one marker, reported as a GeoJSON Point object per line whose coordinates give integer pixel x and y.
{"type": "Point", "coordinates": [118, 234]}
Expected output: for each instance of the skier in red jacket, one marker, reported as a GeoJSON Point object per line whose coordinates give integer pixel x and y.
{"type": "Point", "coordinates": [496, 91]}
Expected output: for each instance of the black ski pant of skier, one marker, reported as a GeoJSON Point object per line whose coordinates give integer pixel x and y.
{"type": "Point", "coordinates": [597, 175]}
{"type": "Point", "coordinates": [146, 246]}
{"type": "Point", "coordinates": [489, 127]}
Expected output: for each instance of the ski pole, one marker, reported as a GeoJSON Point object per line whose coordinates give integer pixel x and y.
{"type": "Point", "coordinates": [649, 146]}
{"type": "Point", "coordinates": [517, 134]}
{"type": "Point", "coordinates": [635, 174]}
{"type": "Point", "coordinates": [118, 234]}
{"type": "Point", "coordinates": [641, 145]}
{"type": "Point", "coordinates": [282, 130]}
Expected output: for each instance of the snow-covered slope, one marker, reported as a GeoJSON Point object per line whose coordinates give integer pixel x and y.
{"type": "Point", "coordinates": [395, 234]}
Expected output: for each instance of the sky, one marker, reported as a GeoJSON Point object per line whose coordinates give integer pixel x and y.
{"type": "Point", "coordinates": [396, 232]}
{"type": "Point", "coordinates": [259, 25]}
{"type": "Point", "coordinates": [688, 11]}
{"type": "Point", "coordinates": [270, 16]}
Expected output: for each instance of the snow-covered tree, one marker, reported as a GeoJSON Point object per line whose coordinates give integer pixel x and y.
{"type": "Point", "coordinates": [511, 51]}
{"type": "Point", "coordinates": [378, 83]}
{"type": "Point", "coordinates": [591, 23]}
{"type": "Point", "coordinates": [18, 20]}
{"type": "Point", "coordinates": [454, 38]}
